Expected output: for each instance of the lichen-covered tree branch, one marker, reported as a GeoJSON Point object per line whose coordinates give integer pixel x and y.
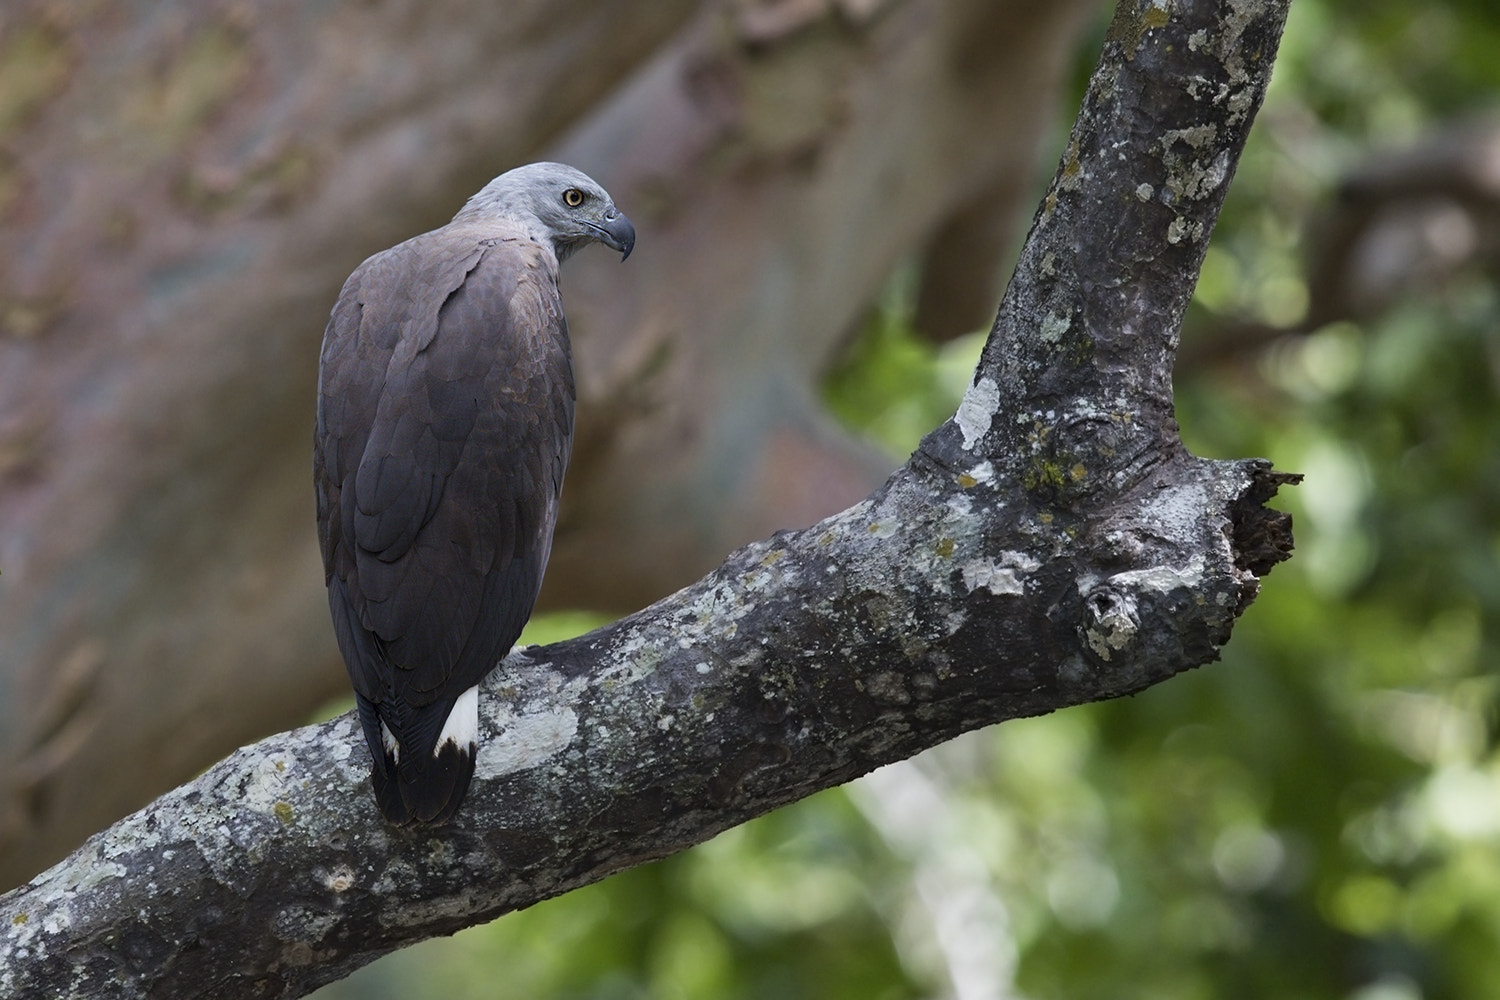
{"type": "Point", "coordinates": [1053, 544]}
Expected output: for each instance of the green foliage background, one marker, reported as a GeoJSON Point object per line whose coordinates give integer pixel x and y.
{"type": "Point", "coordinates": [1317, 816]}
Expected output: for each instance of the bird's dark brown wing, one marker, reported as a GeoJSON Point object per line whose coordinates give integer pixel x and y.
{"type": "Point", "coordinates": [445, 417]}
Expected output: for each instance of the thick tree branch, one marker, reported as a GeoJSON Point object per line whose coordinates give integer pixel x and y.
{"type": "Point", "coordinates": [1053, 544]}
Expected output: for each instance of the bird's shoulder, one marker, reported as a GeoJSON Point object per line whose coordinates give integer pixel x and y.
{"type": "Point", "coordinates": [469, 277]}
{"type": "Point", "coordinates": [419, 274]}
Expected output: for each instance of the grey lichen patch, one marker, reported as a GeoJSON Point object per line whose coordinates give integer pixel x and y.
{"type": "Point", "coordinates": [1189, 178]}
{"type": "Point", "coordinates": [1194, 136]}
{"type": "Point", "coordinates": [981, 474]}
{"type": "Point", "coordinates": [957, 509]}
{"type": "Point", "coordinates": [1101, 643]}
{"type": "Point", "coordinates": [1001, 575]}
{"type": "Point", "coordinates": [526, 741]}
{"type": "Point", "coordinates": [1175, 511]}
{"type": "Point", "coordinates": [84, 872]}
{"type": "Point", "coordinates": [1162, 579]}
{"type": "Point", "coordinates": [1181, 229]}
{"type": "Point", "coordinates": [1242, 14]}
{"type": "Point", "coordinates": [1053, 326]}
{"type": "Point", "coordinates": [771, 572]}
{"type": "Point", "coordinates": [23, 938]}
{"type": "Point", "coordinates": [269, 783]}
{"type": "Point", "coordinates": [637, 659]}
{"type": "Point", "coordinates": [724, 604]}
{"type": "Point", "coordinates": [977, 410]}
{"type": "Point", "coordinates": [1237, 93]}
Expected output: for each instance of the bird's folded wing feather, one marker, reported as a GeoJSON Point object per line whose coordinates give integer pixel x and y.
{"type": "Point", "coordinates": [445, 418]}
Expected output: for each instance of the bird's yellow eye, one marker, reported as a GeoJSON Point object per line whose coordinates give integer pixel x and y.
{"type": "Point", "coordinates": [573, 197]}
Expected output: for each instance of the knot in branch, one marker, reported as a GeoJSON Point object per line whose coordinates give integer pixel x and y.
{"type": "Point", "coordinates": [1069, 454]}
{"type": "Point", "coordinates": [1111, 621]}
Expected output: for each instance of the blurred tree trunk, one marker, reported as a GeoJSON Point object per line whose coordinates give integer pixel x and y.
{"type": "Point", "coordinates": [183, 188]}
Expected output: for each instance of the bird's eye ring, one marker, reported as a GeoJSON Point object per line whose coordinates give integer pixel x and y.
{"type": "Point", "coordinates": [573, 197]}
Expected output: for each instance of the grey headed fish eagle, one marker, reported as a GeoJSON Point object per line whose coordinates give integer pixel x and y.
{"type": "Point", "coordinates": [445, 419]}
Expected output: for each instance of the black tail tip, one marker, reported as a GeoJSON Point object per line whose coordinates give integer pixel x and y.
{"type": "Point", "coordinates": [427, 791]}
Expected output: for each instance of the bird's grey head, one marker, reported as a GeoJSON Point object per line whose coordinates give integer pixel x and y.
{"type": "Point", "coordinates": [557, 205]}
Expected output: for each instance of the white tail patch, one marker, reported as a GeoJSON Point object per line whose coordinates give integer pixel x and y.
{"type": "Point", "coordinates": [461, 728]}
{"type": "Point", "coordinates": [389, 739]}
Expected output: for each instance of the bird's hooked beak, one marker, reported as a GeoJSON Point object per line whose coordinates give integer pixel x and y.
{"type": "Point", "coordinates": [616, 232]}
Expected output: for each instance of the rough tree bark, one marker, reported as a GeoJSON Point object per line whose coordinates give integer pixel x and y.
{"type": "Point", "coordinates": [184, 185]}
{"type": "Point", "coordinates": [1052, 544]}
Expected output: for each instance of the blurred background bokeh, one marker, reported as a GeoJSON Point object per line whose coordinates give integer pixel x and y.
{"type": "Point", "coordinates": [828, 194]}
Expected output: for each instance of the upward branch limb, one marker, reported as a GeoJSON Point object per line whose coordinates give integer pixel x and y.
{"type": "Point", "coordinates": [1051, 545]}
